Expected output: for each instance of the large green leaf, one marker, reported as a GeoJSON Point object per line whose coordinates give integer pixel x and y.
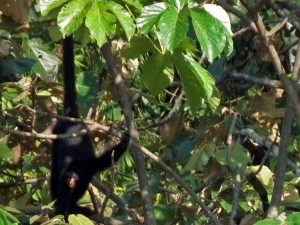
{"type": "Point", "coordinates": [97, 24]}
{"type": "Point", "coordinates": [47, 6]}
{"type": "Point", "coordinates": [156, 73]}
{"type": "Point", "coordinates": [197, 82]}
{"type": "Point", "coordinates": [71, 16]}
{"type": "Point", "coordinates": [173, 27]}
{"type": "Point", "coordinates": [219, 13]}
{"type": "Point", "coordinates": [150, 16]}
{"type": "Point", "coordinates": [138, 46]}
{"type": "Point", "coordinates": [210, 32]}
{"type": "Point", "coordinates": [124, 19]}
{"type": "Point", "coordinates": [222, 16]}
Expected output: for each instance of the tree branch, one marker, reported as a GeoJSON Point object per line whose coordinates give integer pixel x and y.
{"type": "Point", "coordinates": [282, 155]}
{"type": "Point", "coordinates": [115, 70]}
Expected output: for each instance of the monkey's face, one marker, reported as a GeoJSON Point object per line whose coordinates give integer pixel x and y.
{"type": "Point", "coordinates": [73, 180]}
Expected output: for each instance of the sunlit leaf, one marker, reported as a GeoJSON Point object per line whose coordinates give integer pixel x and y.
{"type": "Point", "coordinates": [79, 220]}
{"type": "Point", "coordinates": [210, 33]}
{"type": "Point", "coordinates": [124, 19]}
{"type": "Point", "coordinates": [96, 24]}
{"type": "Point", "coordinates": [47, 6]}
{"type": "Point", "coordinates": [150, 16]}
{"type": "Point", "coordinates": [71, 16]}
{"type": "Point", "coordinates": [173, 27]}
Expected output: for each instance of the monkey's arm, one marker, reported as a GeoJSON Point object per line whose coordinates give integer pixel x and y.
{"type": "Point", "coordinates": [91, 166]}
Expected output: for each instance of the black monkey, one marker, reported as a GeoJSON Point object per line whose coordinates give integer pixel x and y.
{"type": "Point", "coordinates": [73, 159]}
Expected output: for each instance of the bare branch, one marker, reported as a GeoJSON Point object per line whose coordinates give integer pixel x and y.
{"type": "Point", "coordinates": [115, 70]}
{"type": "Point", "coordinates": [282, 155]}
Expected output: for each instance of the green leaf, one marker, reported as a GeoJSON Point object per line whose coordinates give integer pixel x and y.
{"type": "Point", "coordinates": [215, 98]}
{"type": "Point", "coordinates": [210, 32]}
{"type": "Point", "coordinates": [199, 159]}
{"type": "Point", "coordinates": [205, 78]}
{"type": "Point", "coordinates": [71, 16]}
{"type": "Point", "coordinates": [124, 19]}
{"type": "Point", "coordinates": [156, 73]}
{"type": "Point", "coordinates": [222, 16]}
{"type": "Point", "coordinates": [268, 222]}
{"type": "Point", "coordinates": [5, 152]}
{"type": "Point", "coordinates": [8, 216]}
{"type": "Point", "coordinates": [135, 3]}
{"type": "Point", "coordinates": [43, 93]}
{"type": "Point", "coordinates": [112, 111]}
{"type": "Point", "coordinates": [197, 82]}
{"type": "Point", "coordinates": [96, 24]}
{"type": "Point", "coordinates": [239, 155]}
{"type": "Point", "coordinates": [179, 4]}
{"type": "Point", "coordinates": [173, 27]}
{"type": "Point", "coordinates": [79, 220]}
{"type": "Point", "coordinates": [48, 63]}
{"type": "Point", "coordinates": [100, 23]}
{"type": "Point", "coordinates": [138, 46]}
{"type": "Point", "coordinates": [227, 206]}
{"type": "Point", "coordinates": [150, 16]}
{"type": "Point", "coordinates": [229, 46]}
{"type": "Point", "coordinates": [219, 13]}
{"type": "Point", "coordinates": [47, 6]}
{"type": "Point", "coordinates": [293, 219]}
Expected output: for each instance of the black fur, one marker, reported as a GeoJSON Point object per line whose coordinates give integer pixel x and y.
{"type": "Point", "coordinates": [73, 159]}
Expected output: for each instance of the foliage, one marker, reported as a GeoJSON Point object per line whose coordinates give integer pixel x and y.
{"type": "Point", "coordinates": [201, 88]}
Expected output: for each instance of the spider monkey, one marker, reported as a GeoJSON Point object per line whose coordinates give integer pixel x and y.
{"type": "Point", "coordinates": [73, 159]}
